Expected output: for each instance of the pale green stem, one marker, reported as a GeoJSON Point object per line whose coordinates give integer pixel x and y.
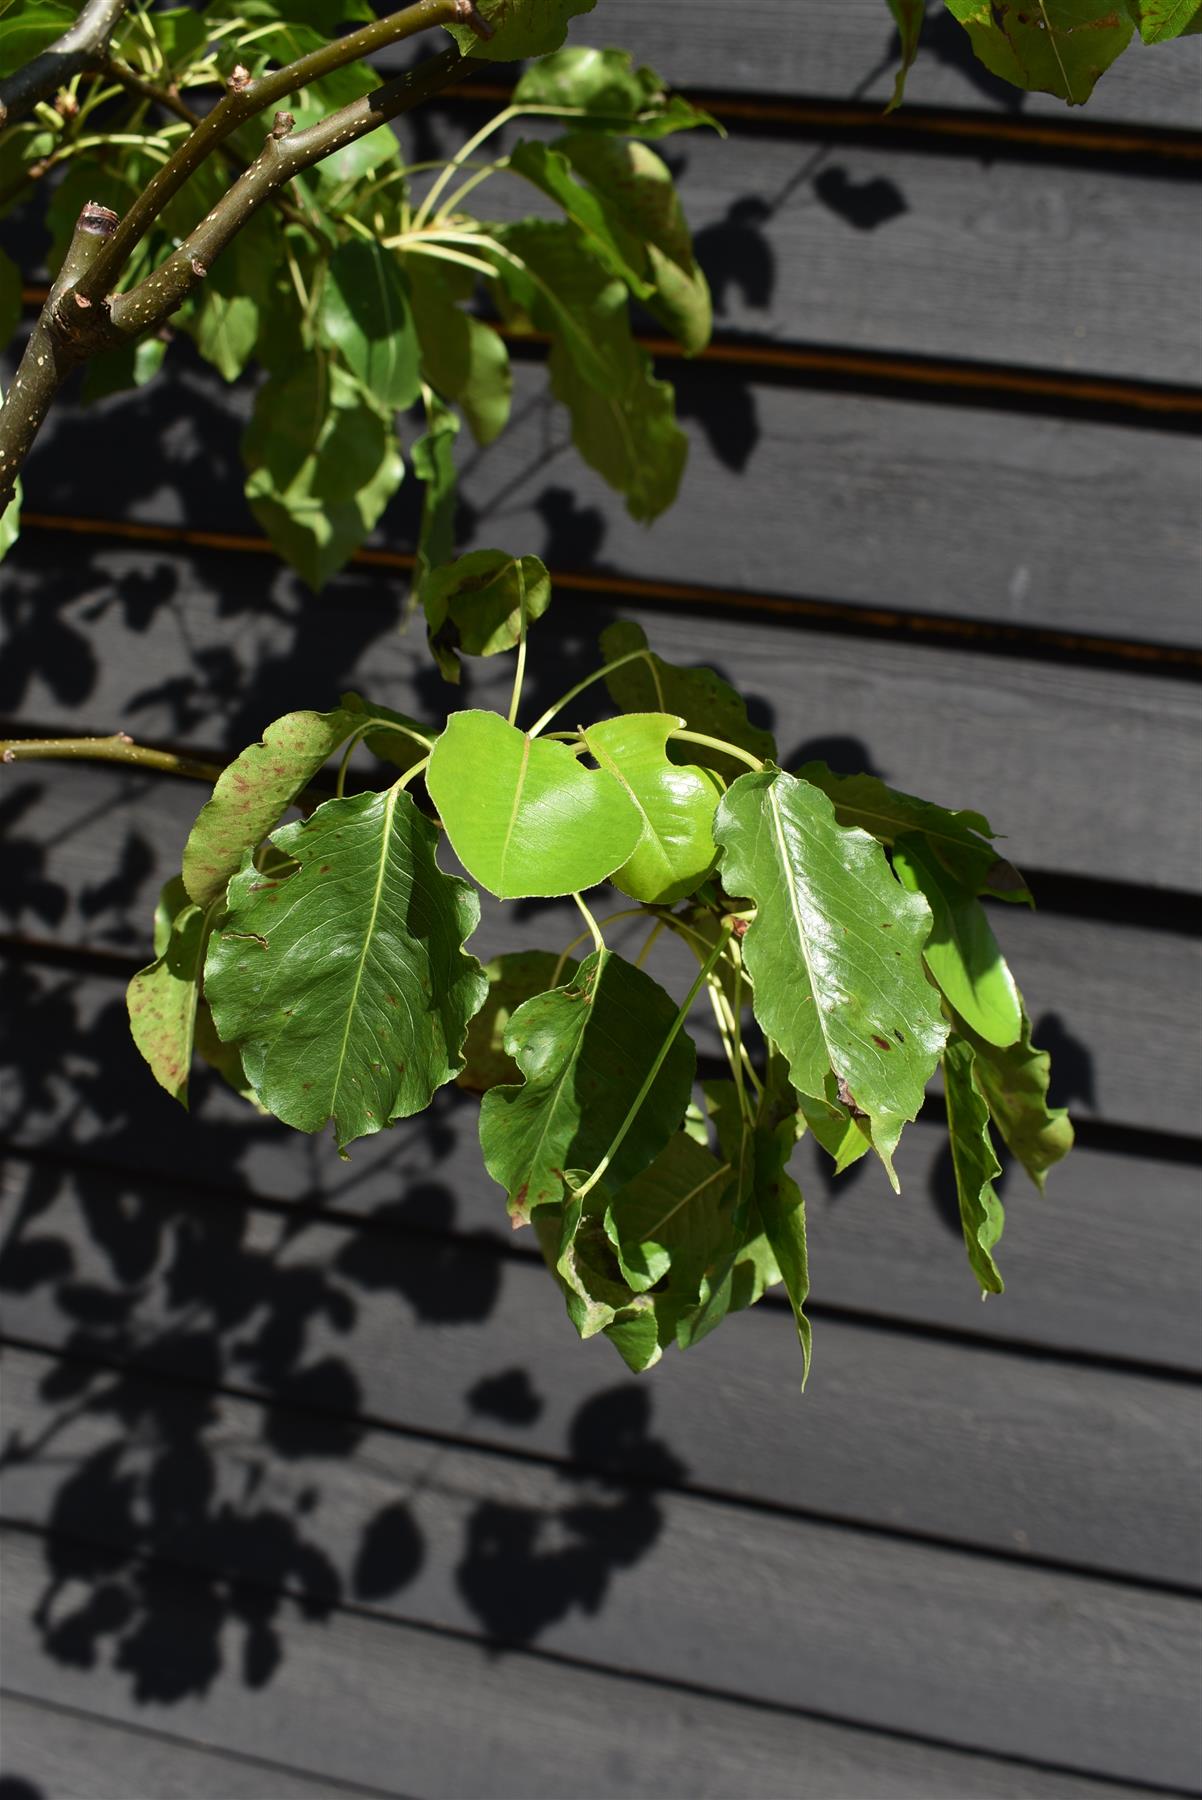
{"type": "Point", "coordinates": [412, 774]}
{"type": "Point", "coordinates": [454, 201]}
{"type": "Point", "coordinates": [713, 743]}
{"type": "Point", "coordinates": [520, 672]}
{"type": "Point", "coordinates": [628, 912]}
{"type": "Point", "coordinates": [457, 162]}
{"type": "Point", "coordinates": [423, 247]}
{"type": "Point", "coordinates": [645, 952]}
{"type": "Point", "coordinates": [597, 675]}
{"type": "Point", "coordinates": [594, 928]}
{"type": "Point", "coordinates": [657, 1065]}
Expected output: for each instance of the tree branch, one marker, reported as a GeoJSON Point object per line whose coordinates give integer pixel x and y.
{"type": "Point", "coordinates": [118, 748]}
{"type": "Point", "coordinates": [244, 99]}
{"type": "Point", "coordinates": [78, 49]}
{"type": "Point", "coordinates": [71, 328]}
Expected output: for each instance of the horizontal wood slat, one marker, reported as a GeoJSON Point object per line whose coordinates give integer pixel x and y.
{"type": "Point", "coordinates": [877, 248]}
{"type": "Point", "coordinates": [970, 1651]}
{"type": "Point", "coordinates": [844, 48]}
{"type": "Point", "coordinates": [867, 502]}
{"type": "Point", "coordinates": [1092, 1469]}
{"type": "Point", "coordinates": [357, 1694]}
{"type": "Point", "coordinates": [205, 650]}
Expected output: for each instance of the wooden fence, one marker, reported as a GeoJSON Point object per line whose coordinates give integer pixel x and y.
{"type": "Point", "coordinates": [309, 1488]}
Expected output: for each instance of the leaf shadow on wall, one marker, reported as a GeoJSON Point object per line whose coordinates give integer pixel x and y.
{"type": "Point", "coordinates": [203, 1441]}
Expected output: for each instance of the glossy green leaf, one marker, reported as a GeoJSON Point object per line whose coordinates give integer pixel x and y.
{"type": "Point", "coordinates": [834, 952]}
{"type": "Point", "coordinates": [1056, 47]}
{"type": "Point", "coordinates": [433, 458]}
{"type": "Point", "coordinates": [584, 1051]}
{"type": "Point", "coordinates": [843, 1135]}
{"type": "Point", "coordinates": [974, 1161]}
{"type": "Point", "coordinates": [623, 418]}
{"type": "Point", "coordinates": [345, 984]}
{"type": "Point", "coordinates": [783, 1213]}
{"type": "Point", "coordinates": [1014, 1083]}
{"type": "Point", "coordinates": [400, 740]}
{"type": "Point", "coordinates": [464, 359]}
{"type": "Point", "coordinates": [523, 816]}
{"type": "Point", "coordinates": [162, 999]}
{"type": "Point", "coordinates": [365, 313]}
{"type": "Point", "coordinates": [961, 840]}
{"type": "Point", "coordinates": [613, 92]}
{"type": "Point", "coordinates": [323, 464]}
{"type": "Point", "coordinates": [512, 980]}
{"type": "Point", "coordinates": [676, 804]}
{"type": "Point", "coordinates": [521, 28]}
{"type": "Point", "coordinates": [702, 699]}
{"type": "Point", "coordinates": [250, 796]}
{"type": "Point", "coordinates": [475, 604]}
{"type": "Point", "coordinates": [1160, 20]}
{"type": "Point", "coordinates": [640, 204]}
{"type": "Point", "coordinates": [548, 169]}
{"type": "Point", "coordinates": [962, 953]}
{"type": "Point", "coordinates": [908, 16]}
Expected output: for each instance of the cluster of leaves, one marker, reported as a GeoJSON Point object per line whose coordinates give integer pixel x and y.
{"type": "Point", "coordinates": [371, 296]}
{"type": "Point", "coordinates": [837, 926]}
{"type": "Point", "coordinates": [1059, 47]}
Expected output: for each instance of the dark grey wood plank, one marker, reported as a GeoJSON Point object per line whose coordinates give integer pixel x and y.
{"type": "Point", "coordinates": [360, 1697]}
{"type": "Point", "coordinates": [840, 49]}
{"type": "Point", "coordinates": [873, 247]}
{"type": "Point", "coordinates": [871, 502]}
{"type": "Point", "coordinates": [1090, 1675]}
{"type": "Point", "coordinates": [65, 1754]}
{"type": "Point", "coordinates": [1016, 1454]}
{"type": "Point", "coordinates": [204, 651]}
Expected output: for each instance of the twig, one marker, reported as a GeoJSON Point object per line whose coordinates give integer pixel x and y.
{"type": "Point", "coordinates": [119, 748]}
{"type": "Point", "coordinates": [78, 49]}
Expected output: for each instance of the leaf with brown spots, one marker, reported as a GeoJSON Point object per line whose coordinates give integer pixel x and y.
{"type": "Point", "coordinates": [162, 999]}
{"type": "Point", "coordinates": [254, 791]}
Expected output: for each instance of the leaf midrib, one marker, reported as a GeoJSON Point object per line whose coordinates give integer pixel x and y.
{"type": "Point", "coordinates": [385, 836]}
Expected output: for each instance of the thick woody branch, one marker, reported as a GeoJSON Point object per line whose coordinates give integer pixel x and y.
{"type": "Point", "coordinates": [246, 98]}
{"type": "Point", "coordinates": [78, 49]}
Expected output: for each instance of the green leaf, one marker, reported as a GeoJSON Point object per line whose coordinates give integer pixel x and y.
{"type": "Point", "coordinates": [1056, 47]}
{"type": "Point", "coordinates": [974, 1161]}
{"type": "Point", "coordinates": [840, 1132]}
{"type": "Point", "coordinates": [1160, 20]}
{"type": "Point", "coordinates": [1014, 1083]}
{"type": "Point", "coordinates": [433, 458]}
{"type": "Point", "coordinates": [908, 16]}
{"type": "Point", "coordinates": [403, 747]}
{"type": "Point", "coordinates": [961, 840]}
{"type": "Point", "coordinates": [225, 329]}
{"type": "Point", "coordinates": [28, 27]}
{"type": "Point", "coordinates": [10, 297]}
{"type": "Point", "coordinates": [834, 952]}
{"type": "Point", "coordinates": [512, 980]}
{"type": "Point", "coordinates": [323, 464]}
{"type": "Point", "coordinates": [10, 523]}
{"type": "Point", "coordinates": [585, 1051]}
{"type": "Point", "coordinates": [642, 209]}
{"type": "Point", "coordinates": [623, 419]}
{"type": "Point", "coordinates": [162, 999]}
{"type": "Point", "coordinates": [475, 605]}
{"type": "Point", "coordinates": [676, 804]}
{"type": "Point", "coordinates": [116, 370]}
{"type": "Point", "coordinates": [614, 94]}
{"type": "Point", "coordinates": [252, 793]}
{"type": "Point", "coordinates": [702, 699]}
{"type": "Point", "coordinates": [523, 817]}
{"type": "Point", "coordinates": [548, 169]}
{"type": "Point", "coordinates": [224, 1059]}
{"type": "Point", "coordinates": [961, 952]}
{"type": "Point", "coordinates": [463, 359]}
{"type": "Point", "coordinates": [365, 313]}
{"type": "Point", "coordinates": [783, 1212]}
{"type": "Point", "coordinates": [521, 28]}
{"type": "Point", "coordinates": [345, 984]}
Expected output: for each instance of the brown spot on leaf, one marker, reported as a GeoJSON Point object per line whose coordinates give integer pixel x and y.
{"type": "Point", "coordinates": [849, 1100]}
{"type": "Point", "coordinates": [881, 1043]}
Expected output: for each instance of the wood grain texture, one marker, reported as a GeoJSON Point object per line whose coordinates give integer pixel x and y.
{"type": "Point", "coordinates": [967, 1650]}
{"type": "Point", "coordinates": [872, 503]}
{"type": "Point", "coordinates": [357, 1694]}
{"type": "Point", "coordinates": [874, 247]}
{"type": "Point", "coordinates": [204, 651]}
{"type": "Point", "coordinates": [1090, 1468]}
{"type": "Point", "coordinates": [838, 49]}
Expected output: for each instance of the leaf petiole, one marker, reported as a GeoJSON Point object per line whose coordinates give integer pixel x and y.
{"type": "Point", "coordinates": [594, 928]}
{"type": "Point", "coordinates": [597, 675]}
{"type": "Point", "coordinates": [713, 743]}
